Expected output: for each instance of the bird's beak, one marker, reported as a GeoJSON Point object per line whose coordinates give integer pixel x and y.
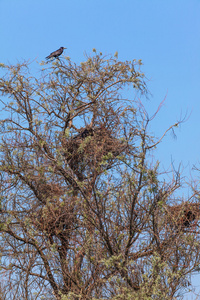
{"type": "Point", "coordinates": [64, 48]}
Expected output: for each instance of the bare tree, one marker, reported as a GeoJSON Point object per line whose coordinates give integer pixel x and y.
{"type": "Point", "coordinates": [85, 213]}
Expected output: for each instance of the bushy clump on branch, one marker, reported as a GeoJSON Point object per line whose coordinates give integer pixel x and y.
{"type": "Point", "coordinates": [84, 212]}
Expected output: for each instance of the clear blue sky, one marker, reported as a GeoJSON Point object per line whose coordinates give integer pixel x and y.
{"type": "Point", "coordinates": [164, 34]}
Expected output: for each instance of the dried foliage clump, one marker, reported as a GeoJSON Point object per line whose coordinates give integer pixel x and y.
{"type": "Point", "coordinates": [93, 148]}
{"type": "Point", "coordinates": [55, 219]}
{"type": "Point", "coordinates": [184, 215]}
{"type": "Point", "coordinates": [85, 212]}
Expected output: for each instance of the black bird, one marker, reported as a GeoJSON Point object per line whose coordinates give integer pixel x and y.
{"type": "Point", "coordinates": [85, 133]}
{"type": "Point", "coordinates": [189, 217]}
{"type": "Point", "coordinates": [56, 53]}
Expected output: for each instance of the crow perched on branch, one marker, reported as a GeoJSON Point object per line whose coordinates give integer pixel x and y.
{"type": "Point", "coordinates": [56, 53]}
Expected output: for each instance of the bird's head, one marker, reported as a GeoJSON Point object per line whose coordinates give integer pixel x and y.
{"type": "Point", "coordinates": [63, 48]}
